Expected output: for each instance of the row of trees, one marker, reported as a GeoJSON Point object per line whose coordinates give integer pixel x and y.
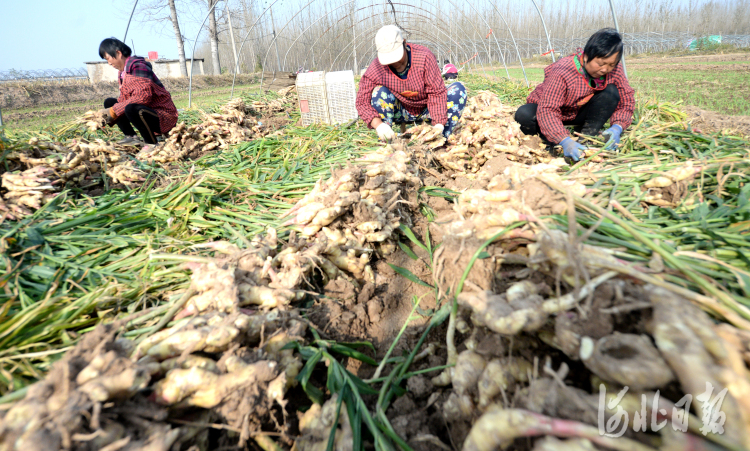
{"type": "Point", "coordinates": [337, 34]}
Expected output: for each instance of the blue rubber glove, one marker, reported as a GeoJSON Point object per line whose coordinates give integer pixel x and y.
{"type": "Point", "coordinates": [572, 149]}
{"type": "Point", "coordinates": [612, 135]}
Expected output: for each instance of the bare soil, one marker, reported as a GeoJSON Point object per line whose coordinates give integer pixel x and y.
{"type": "Point", "coordinates": [375, 312]}
{"type": "Point", "coordinates": [711, 122]}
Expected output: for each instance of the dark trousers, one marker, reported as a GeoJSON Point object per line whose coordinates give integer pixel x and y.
{"type": "Point", "coordinates": [452, 76]}
{"type": "Point", "coordinates": [589, 120]}
{"type": "Point", "coordinates": [142, 117]}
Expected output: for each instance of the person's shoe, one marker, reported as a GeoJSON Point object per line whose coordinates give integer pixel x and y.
{"type": "Point", "coordinates": [130, 141]}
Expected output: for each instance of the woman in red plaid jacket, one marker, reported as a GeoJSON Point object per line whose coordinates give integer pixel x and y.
{"type": "Point", "coordinates": [584, 90]}
{"type": "Point", "coordinates": [404, 84]}
{"type": "Point", "coordinates": [144, 103]}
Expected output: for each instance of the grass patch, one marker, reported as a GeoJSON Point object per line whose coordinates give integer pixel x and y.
{"type": "Point", "coordinates": [728, 93]}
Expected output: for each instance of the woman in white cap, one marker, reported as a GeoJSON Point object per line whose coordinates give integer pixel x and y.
{"type": "Point", "coordinates": [404, 84]}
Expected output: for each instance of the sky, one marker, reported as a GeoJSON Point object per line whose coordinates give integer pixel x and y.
{"type": "Point", "coordinates": [63, 34]}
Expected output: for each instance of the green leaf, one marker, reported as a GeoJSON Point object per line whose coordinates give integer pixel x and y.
{"type": "Point", "coordinates": [335, 380]}
{"type": "Point", "coordinates": [438, 191]}
{"type": "Point", "coordinates": [291, 345]}
{"type": "Point", "coordinates": [355, 420]}
{"type": "Point", "coordinates": [441, 315]}
{"type": "Point", "coordinates": [409, 234]}
{"type": "Point", "coordinates": [35, 236]}
{"type": "Point", "coordinates": [361, 385]}
{"type": "Point", "coordinates": [407, 250]}
{"type": "Point", "coordinates": [314, 393]}
{"type": "Point", "coordinates": [427, 241]}
{"type": "Point", "coordinates": [409, 275]}
{"type": "Point", "coordinates": [744, 282]}
{"type": "Point", "coordinates": [334, 428]}
{"type": "Point", "coordinates": [358, 344]}
{"type": "Point", "coordinates": [397, 390]}
{"type": "Point", "coordinates": [349, 352]}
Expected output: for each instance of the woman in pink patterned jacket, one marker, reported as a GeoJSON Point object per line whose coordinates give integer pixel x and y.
{"type": "Point", "coordinates": [404, 84]}
{"type": "Point", "coordinates": [144, 103]}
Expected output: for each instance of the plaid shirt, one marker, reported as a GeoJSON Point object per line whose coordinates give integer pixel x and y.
{"type": "Point", "coordinates": [139, 85]}
{"type": "Point", "coordinates": [423, 87]}
{"type": "Point", "coordinates": [565, 90]}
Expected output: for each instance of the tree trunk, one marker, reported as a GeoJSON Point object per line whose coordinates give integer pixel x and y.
{"type": "Point", "coordinates": [214, 35]}
{"type": "Point", "coordinates": [248, 20]}
{"type": "Point", "coordinates": [234, 46]}
{"type": "Point", "coordinates": [178, 36]}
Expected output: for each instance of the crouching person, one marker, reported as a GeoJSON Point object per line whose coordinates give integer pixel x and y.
{"type": "Point", "coordinates": [404, 84]}
{"type": "Point", "coordinates": [449, 71]}
{"type": "Point", "coordinates": [144, 104]}
{"type": "Point", "coordinates": [585, 90]}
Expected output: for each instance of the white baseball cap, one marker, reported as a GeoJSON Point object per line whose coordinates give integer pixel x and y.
{"type": "Point", "coordinates": [389, 41]}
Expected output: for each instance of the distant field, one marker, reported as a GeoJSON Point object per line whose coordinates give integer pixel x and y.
{"type": "Point", "coordinates": [719, 83]}
{"type": "Point", "coordinates": [719, 63]}
{"type": "Point", "coordinates": [53, 115]}
{"type": "Point", "coordinates": [724, 92]}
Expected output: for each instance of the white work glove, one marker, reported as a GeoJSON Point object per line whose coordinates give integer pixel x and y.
{"type": "Point", "coordinates": [385, 132]}
{"type": "Point", "coordinates": [439, 128]}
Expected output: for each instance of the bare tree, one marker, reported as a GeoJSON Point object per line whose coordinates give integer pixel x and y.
{"type": "Point", "coordinates": [178, 38]}
{"type": "Point", "coordinates": [154, 11]}
{"type": "Point", "coordinates": [249, 20]}
{"type": "Point", "coordinates": [213, 33]}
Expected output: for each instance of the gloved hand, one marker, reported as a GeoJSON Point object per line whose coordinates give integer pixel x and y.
{"type": "Point", "coordinates": [439, 128]}
{"type": "Point", "coordinates": [572, 149]}
{"type": "Point", "coordinates": [385, 132]}
{"type": "Point", "coordinates": [107, 115]}
{"type": "Point", "coordinates": [612, 135]}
